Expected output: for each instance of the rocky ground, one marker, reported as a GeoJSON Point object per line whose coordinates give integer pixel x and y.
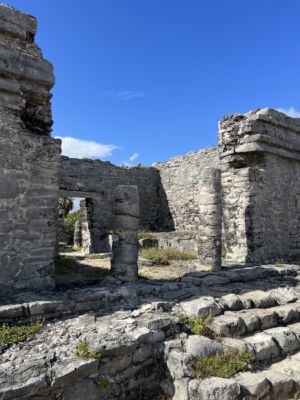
{"type": "Point", "coordinates": [137, 345]}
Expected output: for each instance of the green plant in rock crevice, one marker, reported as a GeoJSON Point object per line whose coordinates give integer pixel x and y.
{"type": "Point", "coordinates": [224, 365]}
{"type": "Point", "coordinates": [82, 350]}
{"type": "Point", "coordinates": [198, 325]}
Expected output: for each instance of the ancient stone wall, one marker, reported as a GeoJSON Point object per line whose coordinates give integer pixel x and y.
{"type": "Point", "coordinates": [180, 188]}
{"type": "Point", "coordinates": [260, 163]}
{"type": "Point", "coordinates": [29, 157]}
{"type": "Point", "coordinates": [97, 180]}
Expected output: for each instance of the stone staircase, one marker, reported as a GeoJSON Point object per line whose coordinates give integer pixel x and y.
{"type": "Point", "coordinates": [266, 323]}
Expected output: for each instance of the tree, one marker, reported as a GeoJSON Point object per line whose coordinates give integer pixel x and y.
{"type": "Point", "coordinates": [65, 205]}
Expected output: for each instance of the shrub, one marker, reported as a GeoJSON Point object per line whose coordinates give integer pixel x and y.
{"type": "Point", "coordinates": [82, 350]}
{"type": "Point", "coordinates": [163, 256]}
{"type": "Point", "coordinates": [18, 333]}
{"type": "Point", "coordinates": [224, 365]}
{"type": "Point", "coordinates": [198, 325]}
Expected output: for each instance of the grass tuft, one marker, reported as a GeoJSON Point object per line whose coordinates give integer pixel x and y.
{"type": "Point", "coordinates": [146, 235]}
{"type": "Point", "coordinates": [164, 256]}
{"type": "Point", "coordinates": [198, 325]}
{"type": "Point", "coordinates": [224, 365]}
{"type": "Point", "coordinates": [103, 384]}
{"type": "Point", "coordinates": [82, 350]}
{"type": "Point", "coordinates": [10, 334]}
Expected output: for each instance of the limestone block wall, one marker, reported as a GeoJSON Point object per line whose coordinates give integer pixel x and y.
{"type": "Point", "coordinates": [29, 157]}
{"type": "Point", "coordinates": [179, 189]}
{"type": "Point", "coordinates": [97, 180]}
{"type": "Point", "coordinates": [260, 164]}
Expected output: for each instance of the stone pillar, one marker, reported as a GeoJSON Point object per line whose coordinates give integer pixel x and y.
{"type": "Point", "coordinates": [124, 264]}
{"type": "Point", "coordinates": [210, 231]}
{"type": "Point", "coordinates": [77, 234]}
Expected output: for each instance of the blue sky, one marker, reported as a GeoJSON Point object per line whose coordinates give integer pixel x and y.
{"type": "Point", "coordinates": [146, 80]}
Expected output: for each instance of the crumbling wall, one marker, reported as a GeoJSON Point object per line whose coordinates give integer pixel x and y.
{"type": "Point", "coordinates": [180, 188]}
{"type": "Point", "coordinates": [29, 157]}
{"type": "Point", "coordinates": [97, 180]}
{"type": "Point", "coordinates": [260, 164]}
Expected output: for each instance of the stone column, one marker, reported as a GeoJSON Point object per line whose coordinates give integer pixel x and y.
{"type": "Point", "coordinates": [77, 234]}
{"type": "Point", "coordinates": [210, 231]}
{"type": "Point", "coordinates": [124, 264]}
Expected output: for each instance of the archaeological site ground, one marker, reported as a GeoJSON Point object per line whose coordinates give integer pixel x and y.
{"type": "Point", "coordinates": [179, 281]}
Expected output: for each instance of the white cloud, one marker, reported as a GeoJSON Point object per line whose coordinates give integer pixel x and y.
{"type": "Point", "coordinates": [134, 156]}
{"type": "Point", "coordinates": [78, 148]}
{"type": "Point", "coordinates": [291, 112]}
{"type": "Point", "coordinates": [124, 95]}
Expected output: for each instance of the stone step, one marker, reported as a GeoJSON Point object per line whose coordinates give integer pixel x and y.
{"type": "Point", "coordinates": [240, 323]}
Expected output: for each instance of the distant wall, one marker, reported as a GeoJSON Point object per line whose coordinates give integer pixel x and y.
{"type": "Point", "coordinates": [98, 179]}
{"type": "Point", "coordinates": [260, 164]}
{"type": "Point", "coordinates": [29, 158]}
{"type": "Point", "coordinates": [180, 189]}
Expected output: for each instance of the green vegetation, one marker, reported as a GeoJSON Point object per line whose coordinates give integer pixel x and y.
{"type": "Point", "coordinates": [71, 220]}
{"type": "Point", "coordinates": [103, 384]}
{"type": "Point", "coordinates": [65, 205]}
{"type": "Point", "coordinates": [224, 365]}
{"type": "Point", "coordinates": [65, 265]}
{"type": "Point", "coordinates": [146, 235]}
{"type": "Point", "coordinates": [198, 325]}
{"type": "Point", "coordinates": [163, 256]}
{"type": "Point", "coordinates": [82, 350]}
{"type": "Point", "coordinates": [18, 333]}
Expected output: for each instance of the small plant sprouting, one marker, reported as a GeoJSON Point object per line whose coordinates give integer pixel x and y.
{"type": "Point", "coordinates": [82, 350]}
{"type": "Point", "coordinates": [198, 325]}
{"type": "Point", "coordinates": [103, 384]}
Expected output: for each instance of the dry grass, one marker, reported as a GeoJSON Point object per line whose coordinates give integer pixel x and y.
{"type": "Point", "coordinates": [164, 256]}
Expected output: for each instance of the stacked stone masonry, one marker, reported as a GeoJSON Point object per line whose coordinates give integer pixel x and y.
{"type": "Point", "coordinates": [29, 157]}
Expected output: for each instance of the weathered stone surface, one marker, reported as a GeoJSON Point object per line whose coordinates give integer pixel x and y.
{"type": "Point", "coordinates": [263, 346]}
{"type": "Point", "coordinates": [214, 389]}
{"type": "Point", "coordinates": [201, 346]}
{"type": "Point", "coordinates": [286, 339]}
{"type": "Point", "coordinates": [228, 325]}
{"type": "Point", "coordinates": [210, 227]}
{"type": "Point", "coordinates": [254, 384]}
{"type": "Point", "coordinates": [29, 158]}
{"type": "Point", "coordinates": [202, 307]}
{"type": "Point", "coordinates": [124, 265]}
{"type": "Point", "coordinates": [258, 151]}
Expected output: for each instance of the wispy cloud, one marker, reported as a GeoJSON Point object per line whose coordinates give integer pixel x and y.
{"type": "Point", "coordinates": [291, 112]}
{"type": "Point", "coordinates": [78, 148]}
{"type": "Point", "coordinates": [134, 156]}
{"type": "Point", "coordinates": [129, 162]}
{"type": "Point", "coordinates": [124, 95]}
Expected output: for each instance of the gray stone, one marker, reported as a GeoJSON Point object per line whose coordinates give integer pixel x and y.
{"type": "Point", "coordinates": [228, 325]}
{"type": "Point", "coordinates": [201, 307]}
{"type": "Point", "coordinates": [201, 346]}
{"type": "Point", "coordinates": [263, 346]}
{"type": "Point", "coordinates": [254, 384]}
{"type": "Point", "coordinates": [214, 389]}
{"type": "Point", "coordinates": [231, 302]}
{"type": "Point", "coordinates": [286, 339]}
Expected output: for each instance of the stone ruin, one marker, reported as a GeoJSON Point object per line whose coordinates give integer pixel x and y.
{"type": "Point", "coordinates": [234, 204]}
{"type": "Point", "coordinates": [242, 195]}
